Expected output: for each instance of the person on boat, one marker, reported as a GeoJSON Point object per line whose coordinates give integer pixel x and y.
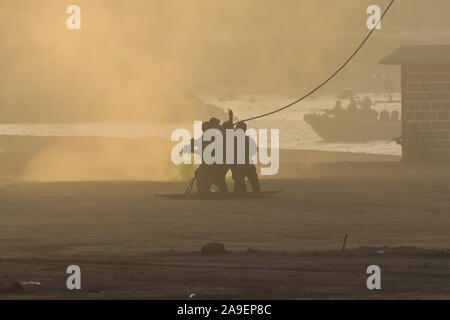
{"type": "Point", "coordinates": [352, 106]}
{"type": "Point", "coordinates": [395, 115]}
{"type": "Point", "coordinates": [385, 115]}
{"type": "Point", "coordinates": [246, 170]}
{"type": "Point", "coordinates": [352, 111]}
{"type": "Point", "coordinates": [337, 111]}
{"type": "Point", "coordinates": [367, 112]}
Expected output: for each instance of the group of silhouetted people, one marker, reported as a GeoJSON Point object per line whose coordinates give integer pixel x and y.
{"type": "Point", "coordinates": [361, 110]}
{"type": "Point", "coordinates": [353, 111]}
{"type": "Point", "coordinates": [209, 175]}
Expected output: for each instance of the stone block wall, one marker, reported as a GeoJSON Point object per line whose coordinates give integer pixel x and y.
{"type": "Point", "coordinates": [426, 106]}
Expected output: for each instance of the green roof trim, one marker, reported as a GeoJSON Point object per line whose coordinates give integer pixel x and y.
{"type": "Point", "coordinates": [419, 54]}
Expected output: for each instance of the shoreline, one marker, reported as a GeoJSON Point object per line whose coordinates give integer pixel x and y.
{"type": "Point", "coordinates": [104, 158]}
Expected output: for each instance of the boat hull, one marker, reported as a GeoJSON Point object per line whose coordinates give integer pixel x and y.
{"type": "Point", "coordinates": [351, 130]}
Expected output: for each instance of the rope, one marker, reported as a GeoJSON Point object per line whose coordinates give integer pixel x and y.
{"type": "Point", "coordinates": [305, 96]}
{"type": "Point", "coordinates": [191, 184]}
{"type": "Point", "coordinates": [330, 77]}
{"type": "Point", "coordinates": [183, 171]}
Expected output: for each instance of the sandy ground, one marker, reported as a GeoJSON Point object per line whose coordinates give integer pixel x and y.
{"type": "Point", "coordinates": [131, 244]}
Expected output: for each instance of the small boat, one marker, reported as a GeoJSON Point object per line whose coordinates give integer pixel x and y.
{"type": "Point", "coordinates": [332, 129]}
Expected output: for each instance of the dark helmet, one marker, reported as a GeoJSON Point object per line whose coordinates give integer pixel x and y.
{"type": "Point", "coordinates": [366, 103]}
{"type": "Point", "coordinates": [214, 123]}
{"type": "Point", "coordinates": [241, 125]}
{"type": "Point", "coordinates": [395, 115]}
{"type": "Point", "coordinates": [384, 115]}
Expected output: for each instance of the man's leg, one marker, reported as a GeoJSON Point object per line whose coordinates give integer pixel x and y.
{"type": "Point", "coordinates": [239, 179]}
{"type": "Point", "coordinates": [203, 180]}
{"type": "Point", "coordinates": [253, 177]}
{"type": "Point", "coordinates": [220, 172]}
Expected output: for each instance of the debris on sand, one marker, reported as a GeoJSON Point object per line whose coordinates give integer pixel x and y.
{"type": "Point", "coordinates": [30, 283]}
{"type": "Point", "coordinates": [213, 248]}
{"type": "Point", "coordinates": [387, 251]}
{"type": "Point", "coordinates": [410, 251]}
{"type": "Point", "coordinates": [20, 286]}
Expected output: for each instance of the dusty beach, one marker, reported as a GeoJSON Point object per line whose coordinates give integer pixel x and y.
{"type": "Point", "coordinates": [131, 244]}
{"type": "Point", "coordinates": [91, 93]}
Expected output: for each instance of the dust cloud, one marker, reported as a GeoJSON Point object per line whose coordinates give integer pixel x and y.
{"type": "Point", "coordinates": [149, 61]}
{"type": "Point", "coordinates": [78, 159]}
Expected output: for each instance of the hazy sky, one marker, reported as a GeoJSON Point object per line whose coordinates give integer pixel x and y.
{"type": "Point", "coordinates": [137, 60]}
{"type": "Point", "coordinates": [130, 56]}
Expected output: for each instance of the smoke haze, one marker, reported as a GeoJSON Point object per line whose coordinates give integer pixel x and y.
{"type": "Point", "coordinates": [148, 60]}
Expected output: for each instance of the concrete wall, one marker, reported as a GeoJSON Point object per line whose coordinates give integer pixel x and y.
{"type": "Point", "coordinates": [426, 105]}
